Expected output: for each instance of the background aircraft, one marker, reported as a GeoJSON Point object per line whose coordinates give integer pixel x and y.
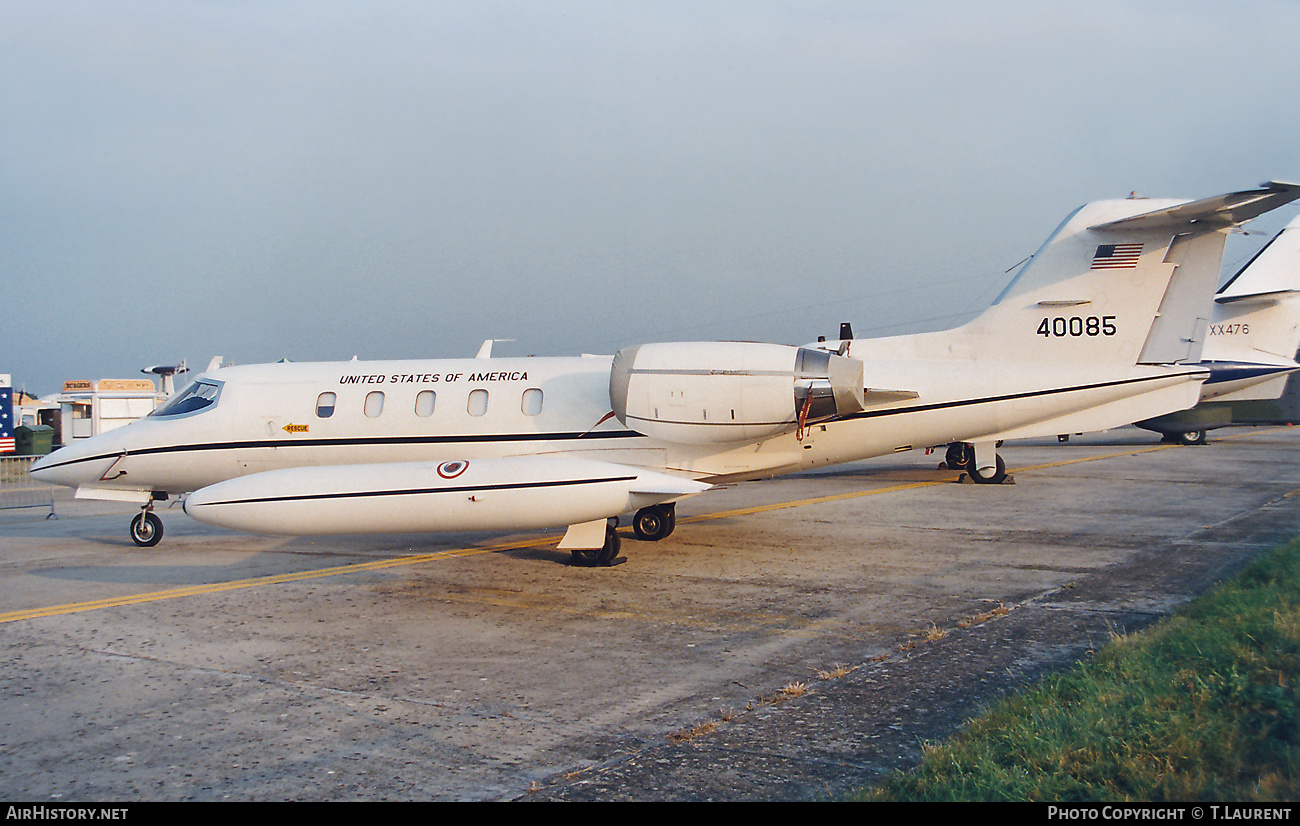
{"type": "Point", "coordinates": [1251, 341]}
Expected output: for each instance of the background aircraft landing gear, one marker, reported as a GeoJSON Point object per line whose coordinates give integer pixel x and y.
{"type": "Point", "coordinates": [602, 557]}
{"type": "Point", "coordinates": [146, 528]}
{"type": "Point", "coordinates": [959, 453]}
{"type": "Point", "coordinates": [961, 456]}
{"type": "Point", "coordinates": [655, 522]}
{"type": "Point", "coordinates": [1193, 437]}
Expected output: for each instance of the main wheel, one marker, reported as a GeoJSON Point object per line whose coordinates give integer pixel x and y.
{"type": "Point", "coordinates": [146, 530]}
{"type": "Point", "coordinates": [601, 557]}
{"type": "Point", "coordinates": [995, 478]}
{"type": "Point", "coordinates": [654, 522]}
{"type": "Point", "coordinates": [1193, 437]}
{"type": "Point", "coordinates": [606, 556]}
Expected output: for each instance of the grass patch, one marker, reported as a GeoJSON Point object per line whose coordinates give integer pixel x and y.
{"type": "Point", "coordinates": [1202, 706]}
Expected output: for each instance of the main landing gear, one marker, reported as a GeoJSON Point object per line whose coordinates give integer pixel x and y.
{"type": "Point", "coordinates": [962, 456]}
{"type": "Point", "coordinates": [146, 527]}
{"type": "Point", "coordinates": [650, 524]}
{"type": "Point", "coordinates": [655, 522]}
{"type": "Point", "coordinates": [601, 557]}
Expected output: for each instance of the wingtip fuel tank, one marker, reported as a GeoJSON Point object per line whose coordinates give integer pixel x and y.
{"type": "Point", "coordinates": [516, 493]}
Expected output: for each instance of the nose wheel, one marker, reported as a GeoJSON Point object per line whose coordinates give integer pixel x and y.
{"type": "Point", "coordinates": [146, 529]}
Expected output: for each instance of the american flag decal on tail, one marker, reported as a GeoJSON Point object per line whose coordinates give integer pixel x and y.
{"type": "Point", "coordinates": [1116, 256]}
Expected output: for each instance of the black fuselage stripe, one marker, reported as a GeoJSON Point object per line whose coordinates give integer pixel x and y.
{"type": "Point", "coordinates": [361, 494]}
{"type": "Point", "coordinates": [621, 434]}
{"type": "Point", "coordinates": [357, 441]}
{"type": "Point", "coordinates": [923, 408]}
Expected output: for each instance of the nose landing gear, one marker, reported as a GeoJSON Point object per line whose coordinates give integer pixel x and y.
{"type": "Point", "coordinates": [146, 527]}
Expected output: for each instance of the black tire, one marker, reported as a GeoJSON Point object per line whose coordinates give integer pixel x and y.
{"type": "Point", "coordinates": [654, 522]}
{"type": "Point", "coordinates": [606, 555]}
{"type": "Point", "coordinates": [1192, 437]}
{"type": "Point", "coordinates": [146, 530]}
{"type": "Point", "coordinates": [602, 557]}
{"type": "Point", "coordinates": [996, 478]}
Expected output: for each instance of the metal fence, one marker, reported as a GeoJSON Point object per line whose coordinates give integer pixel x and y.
{"type": "Point", "coordinates": [19, 490]}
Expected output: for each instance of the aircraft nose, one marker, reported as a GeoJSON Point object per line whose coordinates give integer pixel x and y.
{"type": "Point", "coordinates": [40, 469]}
{"type": "Point", "coordinates": [72, 466]}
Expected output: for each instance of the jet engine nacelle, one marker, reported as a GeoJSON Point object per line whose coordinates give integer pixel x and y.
{"type": "Point", "coordinates": [520, 493]}
{"type": "Point", "coordinates": [720, 392]}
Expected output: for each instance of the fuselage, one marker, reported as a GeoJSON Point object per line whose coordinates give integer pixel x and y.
{"type": "Point", "coordinates": [256, 418]}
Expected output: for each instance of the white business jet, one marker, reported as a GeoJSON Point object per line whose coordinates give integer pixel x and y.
{"type": "Point", "coordinates": [1076, 341]}
{"type": "Point", "coordinates": [1251, 343]}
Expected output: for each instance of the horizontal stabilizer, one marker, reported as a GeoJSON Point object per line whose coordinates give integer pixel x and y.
{"type": "Point", "coordinates": [1272, 296]}
{"type": "Point", "coordinates": [1219, 211]}
{"type": "Point", "coordinates": [1271, 273]}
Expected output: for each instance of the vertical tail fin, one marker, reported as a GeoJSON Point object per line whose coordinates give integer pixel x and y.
{"type": "Point", "coordinates": [1254, 326]}
{"type": "Point", "coordinates": [1122, 281]}
{"type": "Point", "coordinates": [1258, 310]}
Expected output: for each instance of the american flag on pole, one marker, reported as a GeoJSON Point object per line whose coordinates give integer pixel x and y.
{"type": "Point", "coordinates": [1116, 256]}
{"type": "Point", "coordinates": [6, 420]}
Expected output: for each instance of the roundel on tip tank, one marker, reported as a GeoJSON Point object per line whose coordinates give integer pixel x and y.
{"type": "Point", "coordinates": [723, 392]}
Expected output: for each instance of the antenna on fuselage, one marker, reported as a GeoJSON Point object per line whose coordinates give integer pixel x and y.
{"type": "Point", "coordinates": [485, 352]}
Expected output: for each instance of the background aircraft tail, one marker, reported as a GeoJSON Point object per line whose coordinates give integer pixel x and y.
{"type": "Point", "coordinates": [1255, 323]}
{"type": "Point", "coordinates": [1258, 309]}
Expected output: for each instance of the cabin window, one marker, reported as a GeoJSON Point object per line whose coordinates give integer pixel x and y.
{"type": "Point", "coordinates": [532, 403]}
{"type": "Point", "coordinates": [374, 404]}
{"type": "Point", "coordinates": [424, 403]}
{"type": "Point", "coordinates": [325, 405]}
{"type": "Point", "coordinates": [478, 400]}
{"type": "Point", "coordinates": [199, 396]}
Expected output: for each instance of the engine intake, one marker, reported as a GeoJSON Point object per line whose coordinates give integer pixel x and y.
{"type": "Point", "coordinates": [721, 392]}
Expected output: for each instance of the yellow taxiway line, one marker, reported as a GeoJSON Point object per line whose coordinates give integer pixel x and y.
{"type": "Point", "coordinates": [419, 559]}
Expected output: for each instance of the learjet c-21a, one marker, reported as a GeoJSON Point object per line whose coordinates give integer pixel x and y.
{"type": "Point", "coordinates": [1095, 331]}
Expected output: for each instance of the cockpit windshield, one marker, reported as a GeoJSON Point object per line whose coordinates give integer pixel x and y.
{"type": "Point", "coordinates": [199, 396]}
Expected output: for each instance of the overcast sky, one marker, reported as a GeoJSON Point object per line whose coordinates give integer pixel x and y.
{"type": "Point", "coordinates": [317, 180]}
